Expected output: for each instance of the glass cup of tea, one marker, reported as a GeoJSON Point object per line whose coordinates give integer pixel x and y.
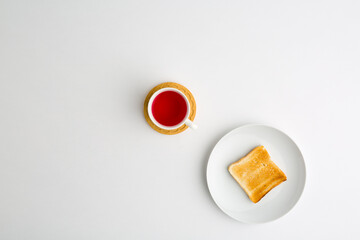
{"type": "Point", "coordinates": [169, 109]}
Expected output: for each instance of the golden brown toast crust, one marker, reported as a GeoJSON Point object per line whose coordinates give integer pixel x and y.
{"type": "Point", "coordinates": [256, 173]}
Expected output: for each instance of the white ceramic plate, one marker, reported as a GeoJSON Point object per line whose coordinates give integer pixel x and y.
{"type": "Point", "coordinates": [228, 194]}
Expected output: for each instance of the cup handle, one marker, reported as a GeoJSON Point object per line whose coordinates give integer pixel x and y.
{"type": "Point", "coordinates": [190, 124]}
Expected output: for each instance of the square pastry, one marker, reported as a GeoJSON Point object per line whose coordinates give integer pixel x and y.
{"type": "Point", "coordinates": [256, 173]}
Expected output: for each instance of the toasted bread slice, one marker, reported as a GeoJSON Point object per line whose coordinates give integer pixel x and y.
{"type": "Point", "coordinates": [256, 173]}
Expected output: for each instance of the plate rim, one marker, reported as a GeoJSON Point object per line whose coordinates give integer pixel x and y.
{"type": "Point", "coordinates": [229, 133]}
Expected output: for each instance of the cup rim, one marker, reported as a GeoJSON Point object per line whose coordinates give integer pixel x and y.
{"type": "Point", "coordinates": [154, 95]}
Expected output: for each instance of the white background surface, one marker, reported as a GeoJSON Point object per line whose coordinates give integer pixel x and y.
{"type": "Point", "coordinates": [78, 160]}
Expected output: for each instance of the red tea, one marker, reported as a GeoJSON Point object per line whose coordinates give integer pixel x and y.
{"type": "Point", "coordinates": [169, 108]}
